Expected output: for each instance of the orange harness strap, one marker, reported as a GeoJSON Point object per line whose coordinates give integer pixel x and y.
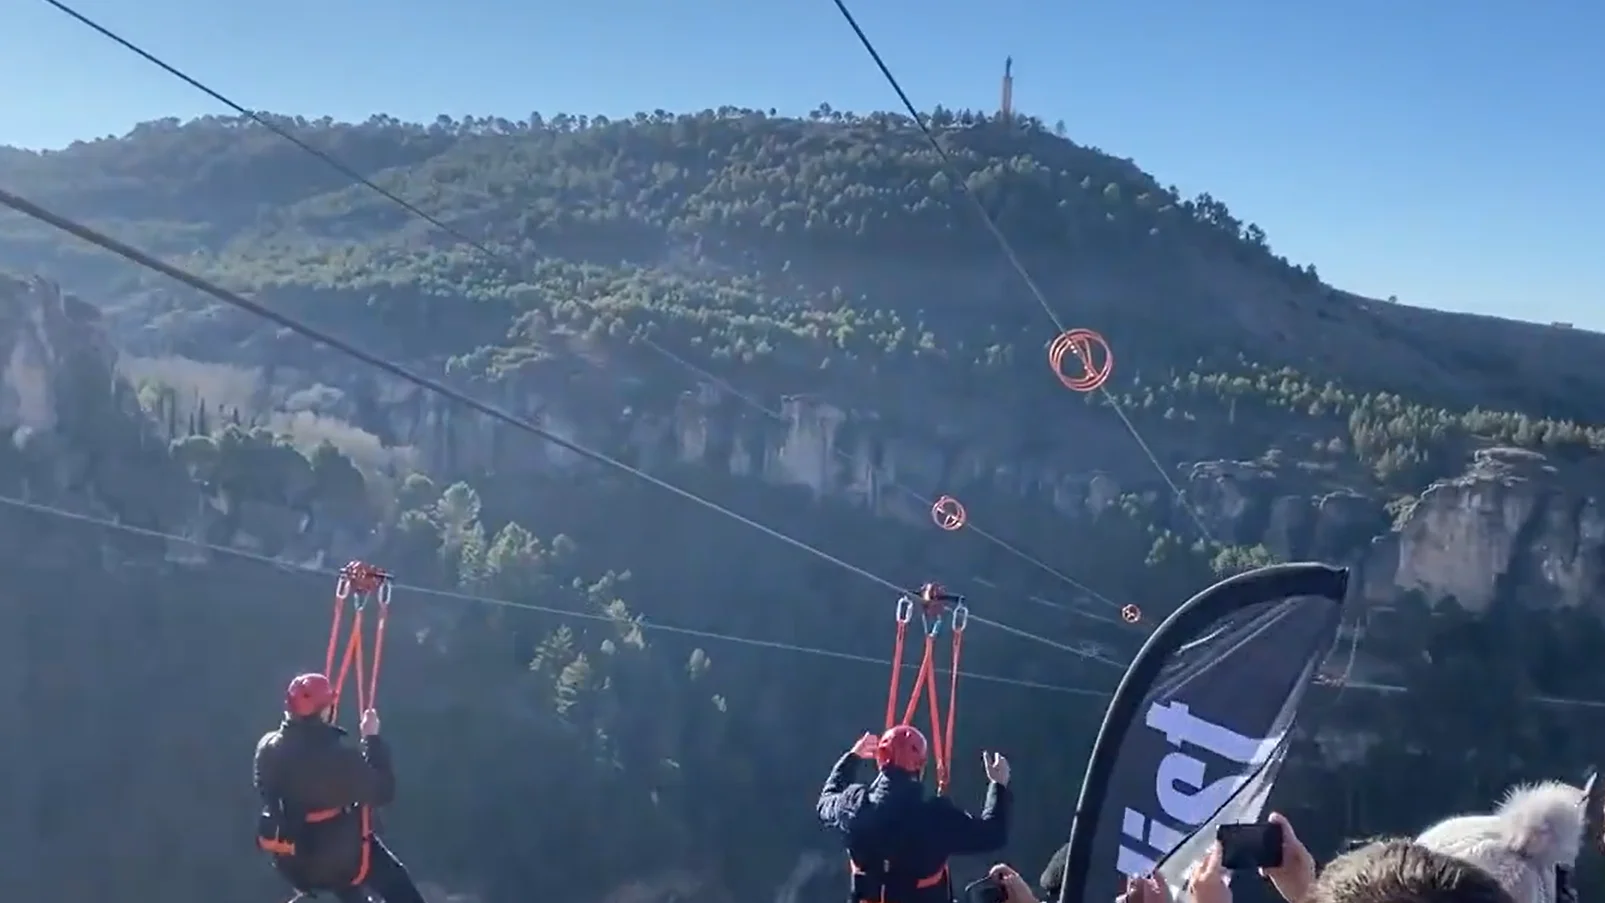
{"type": "Point", "coordinates": [364, 863]}
{"type": "Point", "coordinates": [366, 860]}
{"type": "Point", "coordinates": [933, 602]}
{"type": "Point", "coordinates": [278, 846]}
{"type": "Point", "coordinates": [929, 881]}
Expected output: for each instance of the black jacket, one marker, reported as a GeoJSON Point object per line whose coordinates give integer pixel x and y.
{"type": "Point", "coordinates": [304, 768]}
{"type": "Point", "coordinates": [898, 839]}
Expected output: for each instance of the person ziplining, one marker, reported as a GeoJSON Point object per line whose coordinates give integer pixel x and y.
{"type": "Point", "coordinates": [898, 839]}
{"type": "Point", "coordinates": [318, 793]}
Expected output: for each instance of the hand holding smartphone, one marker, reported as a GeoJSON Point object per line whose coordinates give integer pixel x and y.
{"type": "Point", "coordinates": [1247, 847]}
{"type": "Point", "coordinates": [986, 890]}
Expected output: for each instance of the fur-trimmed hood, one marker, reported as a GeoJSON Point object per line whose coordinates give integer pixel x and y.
{"type": "Point", "coordinates": [1537, 828]}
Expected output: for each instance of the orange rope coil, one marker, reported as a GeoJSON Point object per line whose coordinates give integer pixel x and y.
{"type": "Point", "coordinates": [1092, 350]}
{"type": "Point", "coordinates": [949, 513]}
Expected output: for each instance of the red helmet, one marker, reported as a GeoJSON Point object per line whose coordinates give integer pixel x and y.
{"type": "Point", "coordinates": [308, 695]}
{"type": "Point", "coordinates": [902, 747]}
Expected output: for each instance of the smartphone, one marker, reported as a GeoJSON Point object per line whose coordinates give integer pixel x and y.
{"type": "Point", "coordinates": [986, 890]}
{"type": "Point", "coordinates": [1245, 847]}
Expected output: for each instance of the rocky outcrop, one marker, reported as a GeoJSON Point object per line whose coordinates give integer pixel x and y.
{"type": "Point", "coordinates": [50, 341]}
{"type": "Point", "coordinates": [855, 457]}
{"type": "Point", "coordinates": [58, 361]}
{"type": "Point", "coordinates": [75, 428]}
{"type": "Point", "coordinates": [1258, 503]}
{"type": "Point", "coordinates": [80, 439]}
{"type": "Point", "coordinates": [1515, 521]}
{"type": "Point", "coordinates": [805, 442]}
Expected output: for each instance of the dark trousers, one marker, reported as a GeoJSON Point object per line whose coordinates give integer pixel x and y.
{"type": "Point", "coordinates": [387, 879]}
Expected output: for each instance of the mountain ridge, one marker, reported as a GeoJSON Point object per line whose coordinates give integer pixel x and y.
{"type": "Point", "coordinates": [560, 188]}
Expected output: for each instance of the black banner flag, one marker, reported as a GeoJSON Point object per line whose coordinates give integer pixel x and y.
{"type": "Point", "coordinates": [1198, 728]}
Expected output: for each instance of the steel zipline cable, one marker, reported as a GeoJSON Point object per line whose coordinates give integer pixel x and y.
{"type": "Point", "coordinates": [514, 264]}
{"type": "Point", "coordinates": [134, 255]}
{"type": "Point", "coordinates": [470, 598]}
{"type": "Point", "coordinates": [962, 186]}
{"type": "Point", "coordinates": [1019, 267]}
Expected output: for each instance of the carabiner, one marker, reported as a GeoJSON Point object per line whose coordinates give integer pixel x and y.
{"type": "Point", "coordinates": [961, 617]}
{"type": "Point", "coordinates": [905, 610]}
{"type": "Point", "coordinates": [342, 588]}
{"type": "Point", "coordinates": [384, 592]}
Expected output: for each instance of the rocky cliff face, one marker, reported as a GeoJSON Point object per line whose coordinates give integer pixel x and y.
{"type": "Point", "coordinates": [50, 340]}
{"type": "Point", "coordinates": [75, 428]}
{"type": "Point", "coordinates": [1513, 520]}
{"type": "Point", "coordinates": [79, 438]}
{"type": "Point", "coordinates": [804, 442]}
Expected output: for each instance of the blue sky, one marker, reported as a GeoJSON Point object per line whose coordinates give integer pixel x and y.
{"type": "Point", "coordinates": [1449, 153]}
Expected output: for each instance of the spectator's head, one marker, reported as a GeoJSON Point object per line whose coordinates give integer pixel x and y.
{"type": "Point", "coordinates": [1399, 871]}
{"type": "Point", "coordinates": [1536, 832]}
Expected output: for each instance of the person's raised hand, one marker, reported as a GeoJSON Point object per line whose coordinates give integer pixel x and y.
{"type": "Point", "coordinates": [1013, 885]}
{"type": "Point", "coordinates": [1206, 883]}
{"type": "Point", "coordinates": [370, 724]}
{"type": "Point", "coordinates": [866, 745]}
{"type": "Point", "coordinates": [1145, 889]}
{"type": "Point", "coordinates": [997, 767]}
{"type": "Point", "coordinates": [1295, 877]}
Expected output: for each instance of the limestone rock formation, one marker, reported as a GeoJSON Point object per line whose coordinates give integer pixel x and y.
{"type": "Point", "coordinates": [1514, 519]}
{"type": "Point", "coordinates": [1513, 515]}
{"type": "Point", "coordinates": [80, 439]}
{"type": "Point", "coordinates": [75, 428]}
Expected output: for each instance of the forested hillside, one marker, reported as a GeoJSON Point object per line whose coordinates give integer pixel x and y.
{"type": "Point", "coordinates": [831, 271]}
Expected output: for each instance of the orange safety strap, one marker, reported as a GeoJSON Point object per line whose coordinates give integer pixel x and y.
{"type": "Point", "coordinates": [315, 817]}
{"type": "Point", "coordinates": [364, 864]}
{"type": "Point", "coordinates": [925, 883]}
{"type": "Point", "coordinates": [933, 602]}
{"type": "Point", "coordinates": [359, 584]}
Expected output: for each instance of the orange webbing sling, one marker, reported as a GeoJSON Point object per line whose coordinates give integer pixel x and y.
{"type": "Point", "coordinates": [933, 602]}
{"type": "Point", "coordinates": [358, 584]}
